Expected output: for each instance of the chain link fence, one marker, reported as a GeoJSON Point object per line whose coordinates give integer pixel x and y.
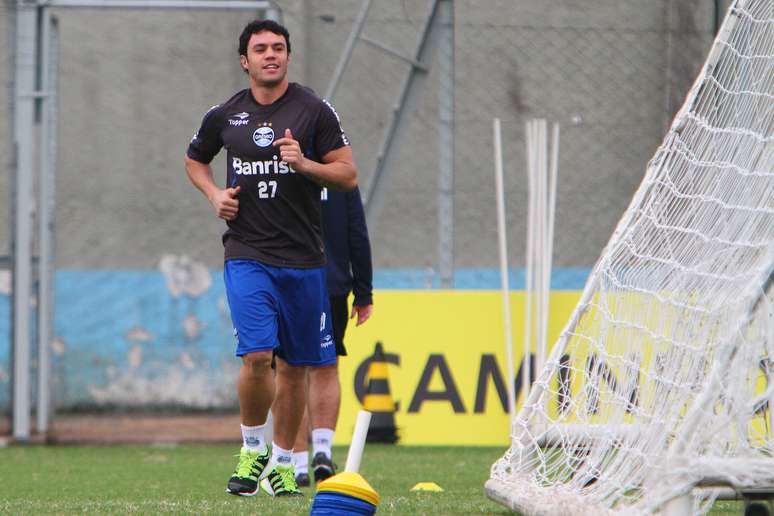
{"type": "Point", "coordinates": [612, 74]}
{"type": "Point", "coordinates": [140, 307]}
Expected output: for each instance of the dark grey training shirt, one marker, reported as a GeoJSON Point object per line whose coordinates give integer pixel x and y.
{"type": "Point", "coordinates": [279, 210]}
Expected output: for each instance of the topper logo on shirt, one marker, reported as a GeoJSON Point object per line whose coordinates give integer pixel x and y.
{"type": "Point", "coordinates": [239, 119]}
{"type": "Point", "coordinates": [264, 135]}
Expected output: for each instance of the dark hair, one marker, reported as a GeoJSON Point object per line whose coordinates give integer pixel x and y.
{"type": "Point", "coordinates": [256, 26]}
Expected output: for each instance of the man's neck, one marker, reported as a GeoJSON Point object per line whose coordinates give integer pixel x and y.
{"type": "Point", "coordinates": [266, 95]}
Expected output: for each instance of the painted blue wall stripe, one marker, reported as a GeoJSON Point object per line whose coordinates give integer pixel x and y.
{"type": "Point", "coordinates": [102, 315]}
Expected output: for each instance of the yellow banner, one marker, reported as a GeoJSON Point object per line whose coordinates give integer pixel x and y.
{"type": "Point", "coordinates": [446, 356]}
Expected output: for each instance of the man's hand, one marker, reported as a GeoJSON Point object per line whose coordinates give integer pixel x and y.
{"type": "Point", "coordinates": [362, 312]}
{"type": "Point", "coordinates": [290, 152]}
{"type": "Point", "coordinates": [225, 203]}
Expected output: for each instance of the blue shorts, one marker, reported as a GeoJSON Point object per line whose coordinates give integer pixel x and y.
{"type": "Point", "coordinates": [282, 309]}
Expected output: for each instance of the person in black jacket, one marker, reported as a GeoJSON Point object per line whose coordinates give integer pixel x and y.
{"type": "Point", "coordinates": [348, 268]}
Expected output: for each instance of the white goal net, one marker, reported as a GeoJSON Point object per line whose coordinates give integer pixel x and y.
{"type": "Point", "coordinates": [662, 380]}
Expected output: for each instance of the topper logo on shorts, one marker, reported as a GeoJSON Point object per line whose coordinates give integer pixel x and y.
{"type": "Point", "coordinates": [327, 341]}
{"type": "Point", "coordinates": [263, 136]}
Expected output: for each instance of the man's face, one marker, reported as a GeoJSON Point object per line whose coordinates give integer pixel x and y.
{"type": "Point", "coordinates": [267, 58]}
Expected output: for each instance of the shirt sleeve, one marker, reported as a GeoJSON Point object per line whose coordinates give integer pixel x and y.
{"type": "Point", "coordinates": [359, 250]}
{"type": "Point", "coordinates": [328, 132]}
{"type": "Point", "coordinates": [207, 142]}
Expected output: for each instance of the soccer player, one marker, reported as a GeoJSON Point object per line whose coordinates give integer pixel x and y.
{"type": "Point", "coordinates": [283, 145]}
{"type": "Point", "coordinates": [349, 269]}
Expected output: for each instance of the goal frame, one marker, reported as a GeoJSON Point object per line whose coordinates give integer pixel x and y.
{"type": "Point", "coordinates": [533, 500]}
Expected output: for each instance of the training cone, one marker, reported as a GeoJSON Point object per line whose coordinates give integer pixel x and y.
{"type": "Point", "coordinates": [378, 400]}
{"type": "Point", "coordinates": [348, 493]}
{"type": "Point", "coordinates": [345, 493]}
{"type": "Point", "coordinates": [427, 486]}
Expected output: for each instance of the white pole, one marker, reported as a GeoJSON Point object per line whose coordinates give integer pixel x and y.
{"type": "Point", "coordinates": [503, 248]}
{"type": "Point", "coordinates": [541, 243]}
{"type": "Point", "coordinates": [24, 115]}
{"type": "Point", "coordinates": [45, 227]}
{"type": "Point", "coordinates": [770, 373]}
{"type": "Point", "coordinates": [529, 276]}
{"type": "Point", "coordinates": [552, 186]}
{"type": "Point", "coordinates": [358, 441]}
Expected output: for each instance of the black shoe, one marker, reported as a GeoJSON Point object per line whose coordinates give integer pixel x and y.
{"type": "Point", "coordinates": [302, 479]}
{"type": "Point", "coordinates": [323, 467]}
{"type": "Point", "coordinates": [244, 481]}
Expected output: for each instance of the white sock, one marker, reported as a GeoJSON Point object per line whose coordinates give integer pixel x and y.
{"type": "Point", "coordinates": [280, 456]}
{"type": "Point", "coordinates": [301, 461]}
{"type": "Point", "coordinates": [253, 439]}
{"type": "Point", "coordinates": [322, 440]}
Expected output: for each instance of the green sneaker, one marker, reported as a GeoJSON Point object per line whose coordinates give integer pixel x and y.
{"type": "Point", "coordinates": [244, 481]}
{"type": "Point", "coordinates": [281, 481]}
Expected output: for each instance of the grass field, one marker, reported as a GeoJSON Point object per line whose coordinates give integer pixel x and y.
{"type": "Point", "coordinates": [192, 479]}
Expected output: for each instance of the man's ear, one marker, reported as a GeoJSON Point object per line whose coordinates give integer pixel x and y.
{"type": "Point", "coordinates": [243, 62]}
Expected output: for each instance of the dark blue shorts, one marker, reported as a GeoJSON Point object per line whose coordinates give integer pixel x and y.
{"type": "Point", "coordinates": [282, 309]}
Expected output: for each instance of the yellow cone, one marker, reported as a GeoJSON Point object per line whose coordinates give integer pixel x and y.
{"type": "Point", "coordinates": [427, 486]}
{"type": "Point", "coordinates": [351, 484]}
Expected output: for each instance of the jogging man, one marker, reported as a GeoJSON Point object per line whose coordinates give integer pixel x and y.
{"type": "Point", "coordinates": [349, 269]}
{"type": "Point", "coordinates": [283, 144]}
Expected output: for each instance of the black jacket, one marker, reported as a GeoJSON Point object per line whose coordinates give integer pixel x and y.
{"type": "Point", "coordinates": [347, 247]}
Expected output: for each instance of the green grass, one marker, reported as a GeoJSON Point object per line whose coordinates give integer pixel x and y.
{"type": "Point", "coordinates": [192, 479]}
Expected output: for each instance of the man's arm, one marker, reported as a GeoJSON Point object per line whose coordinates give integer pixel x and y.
{"type": "Point", "coordinates": [337, 169]}
{"type": "Point", "coordinates": [359, 258]}
{"type": "Point", "coordinates": [224, 202]}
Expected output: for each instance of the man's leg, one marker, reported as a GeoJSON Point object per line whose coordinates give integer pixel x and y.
{"type": "Point", "coordinates": [255, 387]}
{"type": "Point", "coordinates": [305, 334]}
{"type": "Point", "coordinates": [250, 299]}
{"type": "Point", "coordinates": [288, 409]}
{"type": "Point", "coordinates": [324, 398]}
{"type": "Point", "coordinates": [325, 395]}
{"type": "Point", "coordinates": [301, 451]}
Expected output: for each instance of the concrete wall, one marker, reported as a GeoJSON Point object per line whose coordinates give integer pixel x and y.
{"type": "Point", "coordinates": [134, 86]}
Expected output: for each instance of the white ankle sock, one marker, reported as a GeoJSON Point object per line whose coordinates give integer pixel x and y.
{"type": "Point", "coordinates": [301, 461]}
{"type": "Point", "coordinates": [253, 439]}
{"type": "Point", "coordinates": [280, 456]}
{"type": "Point", "coordinates": [322, 440]}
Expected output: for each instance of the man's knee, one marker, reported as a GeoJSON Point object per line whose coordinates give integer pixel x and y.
{"type": "Point", "coordinates": [320, 377]}
{"type": "Point", "coordinates": [289, 372]}
{"type": "Point", "coordinates": [258, 363]}
{"type": "Point", "coordinates": [325, 371]}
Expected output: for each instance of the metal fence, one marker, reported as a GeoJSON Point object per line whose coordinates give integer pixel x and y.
{"type": "Point", "coordinates": [6, 77]}
{"type": "Point", "coordinates": [134, 239]}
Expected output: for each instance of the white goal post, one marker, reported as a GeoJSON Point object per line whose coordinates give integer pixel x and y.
{"type": "Point", "coordinates": [661, 380]}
